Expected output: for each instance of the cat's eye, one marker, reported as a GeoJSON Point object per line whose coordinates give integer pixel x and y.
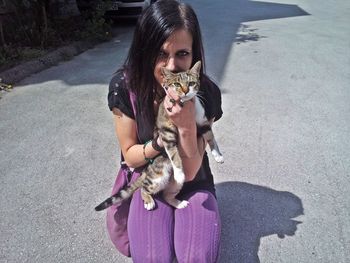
{"type": "Point", "coordinates": [177, 84]}
{"type": "Point", "coordinates": [191, 83]}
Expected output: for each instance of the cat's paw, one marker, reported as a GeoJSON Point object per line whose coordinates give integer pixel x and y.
{"type": "Point", "coordinates": [177, 203]}
{"type": "Point", "coordinates": [219, 159]}
{"type": "Point", "coordinates": [150, 205]}
{"type": "Point", "coordinates": [217, 156]}
{"type": "Point", "coordinates": [182, 204]}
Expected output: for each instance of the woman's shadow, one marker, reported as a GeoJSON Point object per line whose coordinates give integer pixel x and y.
{"type": "Point", "coordinates": [250, 212]}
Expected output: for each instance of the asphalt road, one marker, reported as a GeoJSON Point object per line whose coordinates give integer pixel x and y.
{"type": "Point", "coordinates": [284, 71]}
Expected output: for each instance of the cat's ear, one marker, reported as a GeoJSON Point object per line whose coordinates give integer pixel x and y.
{"type": "Point", "coordinates": [166, 72]}
{"type": "Point", "coordinates": [196, 69]}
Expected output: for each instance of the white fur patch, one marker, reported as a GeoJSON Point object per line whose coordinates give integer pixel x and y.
{"type": "Point", "coordinates": [182, 204]}
{"type": "Point", "coordinates": [217, 156]}
{"type": "Point", "coordinates": [200, 113]}
{"type": "Point", "coordinates": [162, 181]}
{"type": "Point", "coordinates": [150, 206]}
{"type": "Point", "coordinates": [179, 175]}
{"type": "Point", "coordinates": [123, 194]}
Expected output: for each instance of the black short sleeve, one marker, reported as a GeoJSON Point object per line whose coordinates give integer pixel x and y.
{"type": "Point", "coordinates": [212, 98]}
{"type": "Point", "coordinates": [118, 95]}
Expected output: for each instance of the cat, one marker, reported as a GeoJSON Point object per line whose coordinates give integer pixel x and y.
{"type": "Point", "coordinates": [166, 172]}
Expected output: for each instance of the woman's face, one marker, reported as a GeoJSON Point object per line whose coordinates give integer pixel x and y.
{"type": "Point", "coordinates": [175, 54]}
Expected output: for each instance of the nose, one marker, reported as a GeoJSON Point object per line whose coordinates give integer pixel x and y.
{"type": "Point", "coordinates": [171, 64]}
{"type": "Point", "coordinates": [185, 89]}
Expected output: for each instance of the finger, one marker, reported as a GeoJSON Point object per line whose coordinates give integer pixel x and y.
{"type": "Point", "coordinates": [168, 105]}
{"type": "Point", "coordinates": [181, 103]}
{"type": "Point", "coordinates": [172, 94]}
{"type": "Point", "coordinates": [167, 102]}
{"type": "Point", "coordinates": [170, 102]}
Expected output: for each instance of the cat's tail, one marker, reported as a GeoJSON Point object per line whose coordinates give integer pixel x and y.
{"type": "Point", "coordinates": [123, 194]}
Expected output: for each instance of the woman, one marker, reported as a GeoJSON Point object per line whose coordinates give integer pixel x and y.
{"type": "Point", "coordinates": [166, 35]}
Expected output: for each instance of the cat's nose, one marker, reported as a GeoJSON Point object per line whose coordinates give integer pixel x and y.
{"type": "Point", "coordinates": [185, 89]}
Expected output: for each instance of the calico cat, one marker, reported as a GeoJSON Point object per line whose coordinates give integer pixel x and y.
{"type": "Point", "coordinates": [166, 172]}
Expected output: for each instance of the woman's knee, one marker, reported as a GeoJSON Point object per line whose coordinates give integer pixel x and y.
{"type": "Point", "coordinates": [198, 229]}
{"type": "Point", "coordinates": [151, 232]}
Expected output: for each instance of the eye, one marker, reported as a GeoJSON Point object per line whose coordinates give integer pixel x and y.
{"type": "Point", "coordinates": [183, 53]}
{"type": "Point", "coordinates": [191, 83]}
{"type": "Point", "coordinates": [162, 54]}
{"type": "Point", "coordinates": [178, 85]}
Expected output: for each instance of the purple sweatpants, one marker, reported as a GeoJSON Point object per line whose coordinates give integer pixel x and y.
{"type": "Point", "coordinates": [191, 234]}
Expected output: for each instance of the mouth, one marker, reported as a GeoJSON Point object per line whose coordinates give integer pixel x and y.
{"type": "Point", "coordinates": [187, 97]}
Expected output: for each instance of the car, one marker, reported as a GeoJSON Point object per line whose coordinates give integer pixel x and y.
{"type": "Point", "coordinates": [128, 8]}
{"type": "Point", "coordinates": [117, 8]}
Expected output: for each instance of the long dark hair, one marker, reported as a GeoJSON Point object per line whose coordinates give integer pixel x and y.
{"type": "Point", "coordinates": [153, 28]}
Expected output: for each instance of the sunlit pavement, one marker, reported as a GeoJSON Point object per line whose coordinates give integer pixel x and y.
{"type": "Point", "coordinates": [283, 68]}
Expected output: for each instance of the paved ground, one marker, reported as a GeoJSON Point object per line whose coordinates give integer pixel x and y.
{"type": "Point", "coordinates": [284, 71]}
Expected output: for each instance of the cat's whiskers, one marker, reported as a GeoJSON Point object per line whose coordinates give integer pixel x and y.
{"type": "Point", "coordinates": [200, 98]}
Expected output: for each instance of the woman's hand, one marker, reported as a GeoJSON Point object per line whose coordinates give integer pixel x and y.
{"type": "Point", "coordinates": [182, 114]}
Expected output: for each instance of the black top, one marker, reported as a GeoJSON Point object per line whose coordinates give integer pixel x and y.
{"type": "Point", "coordinates": [118, 97]}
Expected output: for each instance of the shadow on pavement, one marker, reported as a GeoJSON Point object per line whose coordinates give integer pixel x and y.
{"type": "Point", "coordinates": [250, 212]}
{"type": "Point", "coordinates": [221, 24]}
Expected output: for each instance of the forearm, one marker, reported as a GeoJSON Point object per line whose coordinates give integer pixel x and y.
{"type": "Point", "coordinates": [135, 155]}
{"type": "Point", "coordinates": [126, 131]}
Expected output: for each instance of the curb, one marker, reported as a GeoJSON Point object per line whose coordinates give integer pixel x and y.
{"type": "Point", "coordinates": [17, 73]}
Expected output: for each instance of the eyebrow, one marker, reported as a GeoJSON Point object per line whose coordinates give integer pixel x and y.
{"type": "Point", "coordinates": [185, 49]}
{"type": "Point", "coordinates": [180, 50]}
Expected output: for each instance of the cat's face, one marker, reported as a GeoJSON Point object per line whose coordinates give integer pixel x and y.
{"type": "Point", "coordinates": [185, 84]}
